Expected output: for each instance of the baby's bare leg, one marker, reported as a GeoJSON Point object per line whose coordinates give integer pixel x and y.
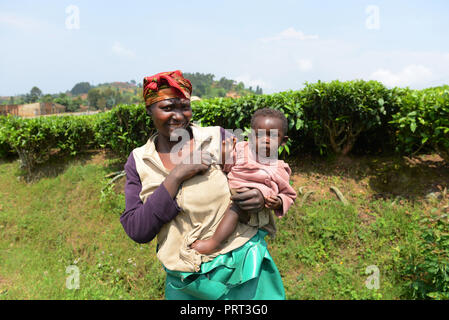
{"type": "Point", "coordinates": [227, 225]}
{"type": "Point", "coordinates": [224, 229]}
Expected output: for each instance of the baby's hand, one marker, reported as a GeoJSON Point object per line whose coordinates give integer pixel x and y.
{"type": "Point", "coordinates": [208, 246]}
{"type": "Point", "coordinates": [273, 202]}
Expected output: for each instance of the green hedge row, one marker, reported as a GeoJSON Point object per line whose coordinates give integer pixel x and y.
{"type": "Point", "coordinates": [335, 117]}
{"type": "Point", "coordinates": [34, 140]}
{"type": "Point", "coordinates": [343, 117]}
{"type": "Point", "coordinates": [422, 123]}
{"type": "Point", "coordinates": [123, 128]}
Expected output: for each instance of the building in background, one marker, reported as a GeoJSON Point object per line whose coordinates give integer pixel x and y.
{"type": "Point", "coordinates": [9, 109]}
{"type": "Point", "coordinates": [32, 109]}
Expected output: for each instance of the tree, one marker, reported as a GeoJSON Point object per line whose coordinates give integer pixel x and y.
{"type": "Point", "coordinates": [34, 95]}
{"type": "Point", "coordinates": [200, 82]}
{"type": "Point", "coordinates": [101, 103]}
{"type": "Point", "coordinates": [64, 100]}
{"type": "Point", "coordinates": [71, 105]}
{"type": "Point", "coordinates": [93, 96]}
{"type": "Point", "coordinates": [225, 83]}
{"type": "Point", "coordinates": [47, 98]}
{"type": "Point", "coordinates": [221, 92]}
{"type": "Point", "coordinates": [75, 104]}
{"type": "Point", "coordinates": [240, 87]}
{"type": "Point", "coordinates": [80, 88]}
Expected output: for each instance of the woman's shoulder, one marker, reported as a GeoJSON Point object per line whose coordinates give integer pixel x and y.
{"type": "Point", "coordinates": [137, 152]}
{"type": "Point", "coordinates": [145, 150]}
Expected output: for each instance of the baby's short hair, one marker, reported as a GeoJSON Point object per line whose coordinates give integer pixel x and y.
{"type": "Point", "coordinates": [267, 112]}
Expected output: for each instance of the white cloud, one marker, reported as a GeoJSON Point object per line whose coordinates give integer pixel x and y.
{"type": "Point", "coordinates": [305, 65]}
{"type": "Point", "coordinates": [409, 76]}
{"type": "Point", "coordinates": [290, 34]}
{"type": "Point", "coordinates": [18, 22]}
{"type": "Point", "coordinates": [121, 51]}
{"type": "Point", "coordinates": [251, 82]}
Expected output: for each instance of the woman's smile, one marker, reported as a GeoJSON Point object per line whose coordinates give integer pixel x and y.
{"type": "Point", "coordinates": [176, 125]}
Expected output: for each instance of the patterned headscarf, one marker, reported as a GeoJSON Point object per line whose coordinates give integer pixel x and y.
{"type": "Point", "coordinates": [166, 85]}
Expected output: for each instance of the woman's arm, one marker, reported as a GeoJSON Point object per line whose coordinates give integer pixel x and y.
{"type": "Point", "coordinates": [143, 221]}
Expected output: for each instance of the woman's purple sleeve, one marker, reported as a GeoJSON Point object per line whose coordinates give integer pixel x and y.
{"type": "Point", "coordinates": [143, 221]}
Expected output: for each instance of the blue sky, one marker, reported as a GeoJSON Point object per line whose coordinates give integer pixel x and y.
{"type": "Point", "coordinates": [278, 45]}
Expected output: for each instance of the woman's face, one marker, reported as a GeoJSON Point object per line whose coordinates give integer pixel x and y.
{"type": "Point", "coordinates": [171, 114]}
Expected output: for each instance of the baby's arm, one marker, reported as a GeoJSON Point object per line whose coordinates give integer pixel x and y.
{"type": "Point", "coordinates": [224, 229]}
{"type": "Point", "coordinates": [287, 193]}
{"type": "Point", "coordinates": [227, 160]}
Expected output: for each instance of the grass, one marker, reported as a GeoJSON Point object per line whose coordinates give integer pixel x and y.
{"type": "Point", "coordinates": [332, 248]}
{"type": "Point", "coordinates": [322, 249]}
{"type": "Point", "coordinates": [59, 221]}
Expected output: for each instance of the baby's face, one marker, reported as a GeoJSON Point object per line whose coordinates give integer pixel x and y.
{"type": "Point", "coordinates": [268, 136]}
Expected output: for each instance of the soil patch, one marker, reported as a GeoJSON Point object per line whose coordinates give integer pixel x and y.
{"type": "Point", "coordinates": [375, 177]}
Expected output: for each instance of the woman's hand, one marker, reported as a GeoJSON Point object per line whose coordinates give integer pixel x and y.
{"type": "Point", "coordinates": [198, 162]}
{"type": "Point", "coordinates": [186, 170]}
{"type": "Point", "coordinates": [249, 199]}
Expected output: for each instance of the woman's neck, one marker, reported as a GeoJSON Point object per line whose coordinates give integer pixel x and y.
{"type": "Point", "coordinates": [164, 145]}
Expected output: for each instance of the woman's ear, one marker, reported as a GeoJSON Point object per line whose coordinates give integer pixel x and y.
{"type": "Point", "coordinates": [149, 111]}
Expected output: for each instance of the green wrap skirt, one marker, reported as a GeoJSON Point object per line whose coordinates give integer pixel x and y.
{"type": "Point", "coordinates": [246, 273]}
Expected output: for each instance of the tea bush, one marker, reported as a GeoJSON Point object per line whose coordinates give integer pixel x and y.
{"type": "Point", "coordinates": [123, 128]}
{"type": "Point", "coordinates": [422, 123]}
{"type": "Point", "coordinates": [337, 113]}
{"type": "Point", "coordinates": [5, 148]}
{"type": "Point", "coordinates": [35, 139]}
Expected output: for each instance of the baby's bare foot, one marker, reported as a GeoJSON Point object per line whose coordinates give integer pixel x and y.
{"type": "Point", "coordinates": [208, 246]}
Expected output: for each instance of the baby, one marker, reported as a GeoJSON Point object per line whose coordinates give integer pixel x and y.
{"type": "Point", "coordinates": [255, 165]}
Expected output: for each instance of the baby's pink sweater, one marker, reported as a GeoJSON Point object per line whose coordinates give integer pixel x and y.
{"type": "Point", "coordinates": [272, 179]}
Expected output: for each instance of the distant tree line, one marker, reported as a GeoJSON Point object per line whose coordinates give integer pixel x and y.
{"type": "Point", "coordinates": [72, 104]}
{"type": "Point", "coordinates": [108, 95]}
{"type": "Point", "coordinates": [204, 86]}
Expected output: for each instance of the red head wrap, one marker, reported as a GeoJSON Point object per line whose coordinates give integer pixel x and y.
{"type": "Point", "coordinates": [166, 85]}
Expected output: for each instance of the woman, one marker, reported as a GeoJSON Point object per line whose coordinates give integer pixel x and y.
{"type": "Point", "coordinates": [181, 201]}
